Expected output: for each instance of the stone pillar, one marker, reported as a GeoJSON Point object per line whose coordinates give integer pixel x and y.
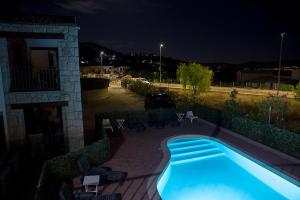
{"type": "Point", "coordinates": [70, 84]}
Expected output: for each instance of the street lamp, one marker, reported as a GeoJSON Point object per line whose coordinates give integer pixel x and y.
{"type": "Point", "coordinates": [160, 46]}
{"type": "Point", "coordinates": [101, 54]}
{"type": "Point", "coordinates": [280, 57]}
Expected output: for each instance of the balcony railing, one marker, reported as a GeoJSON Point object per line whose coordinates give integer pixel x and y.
{"type": "Point", "coordinates": [29, 79]}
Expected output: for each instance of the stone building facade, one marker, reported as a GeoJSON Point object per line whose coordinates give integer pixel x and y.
{"type": "Point", "coordinates": [43, 87]}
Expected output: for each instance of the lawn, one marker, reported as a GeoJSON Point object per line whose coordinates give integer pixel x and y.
{"type": "Point", "coordinates": [250, 102]}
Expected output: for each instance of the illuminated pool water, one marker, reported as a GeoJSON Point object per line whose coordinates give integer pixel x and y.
{"type": "Point", "coordinates": [202, 168]}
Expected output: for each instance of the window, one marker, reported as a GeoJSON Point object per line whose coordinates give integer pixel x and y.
{"type": "Point", "coordinates": [43, 58]}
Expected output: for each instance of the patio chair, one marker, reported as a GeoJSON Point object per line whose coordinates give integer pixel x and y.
{"type": "Point", "coordinates": [107, 125]}
{"type": "Point", "coordinates": [107, 177]}
{"type": "Point", "coordinates": [85, 168]}
{"type": "Point", "coordinates": [105, 173]}
{"type": "Point", "coordinates": [113, 177]}
{"type": "Point", "coordinates": [66, 193]}
{"type": "Point", "coordinates": [191, 116]}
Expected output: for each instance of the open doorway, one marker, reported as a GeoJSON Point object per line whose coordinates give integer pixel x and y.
{"type": "Point", "coordinates": [44, 130]}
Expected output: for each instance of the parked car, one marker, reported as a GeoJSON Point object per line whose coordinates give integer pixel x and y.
{"type": "Point", "coordinates": [158, 100]}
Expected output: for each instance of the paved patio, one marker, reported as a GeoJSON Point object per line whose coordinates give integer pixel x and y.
{"type": "Point", "coordinates": [141, 156]}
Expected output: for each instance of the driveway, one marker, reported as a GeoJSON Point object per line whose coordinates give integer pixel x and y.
{"type": "Point", "coordinates": [114, 98]}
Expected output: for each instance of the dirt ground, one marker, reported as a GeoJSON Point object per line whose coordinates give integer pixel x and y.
{"type": "Point", "coordinates": [111, 99]}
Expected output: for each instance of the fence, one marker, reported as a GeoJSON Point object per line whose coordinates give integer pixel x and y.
{"type": "Point", "coordinates": [237, 84]}
{"type": "Point", "coordinates": [256, 85]}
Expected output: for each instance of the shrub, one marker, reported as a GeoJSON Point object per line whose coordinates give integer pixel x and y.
{"type": "Point", "coordinates": [64, 167]}
{"type": "Point", "coordinates": [286, 87]}
{"type": "Point", "coordinates": [278, 108]}
{"type": "Point", "coordinates": [233, 94]}
{"type": "Point", "coordinates": [281, 139]}
{"type": "Point", "coordinates": [231, 105]}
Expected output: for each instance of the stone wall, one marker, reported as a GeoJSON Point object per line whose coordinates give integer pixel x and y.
{"type": "Point", "coordinates": [70, 90]}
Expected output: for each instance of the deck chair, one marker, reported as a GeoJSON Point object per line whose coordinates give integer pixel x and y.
{"type": "Point", "coordinates": [113, 177]}
{"type": "Point", "coordinates": [107, 125]}
{"type": "Point", "coordinates": [66, 193]}
{"type": "Point", "coordinates": [105, 173]}
{"type": "Point", "coordinates": [85, 168]}
{"type": "Point", "coordinates": [107, 177]}
{"type": "Point", "coordinates": [191, 116]}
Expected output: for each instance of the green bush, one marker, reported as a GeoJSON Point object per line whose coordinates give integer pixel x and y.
{"type": "Point", "coordinates": [231, 105]}
{"type": "Point", "coordinates": [64, 167]}
{"type": "Point", "coordinates": [286, 87]}
{"type": "Point", "coordinates": [278, 110]}
{"type": "Point", "coordinates": [281, 139]}
{"type": "Point", "coordinates": [297, 91]}
{"type": "Point", "coordinates": [233, 94]}
{"type": "Point", "coordinates": [139, 87]}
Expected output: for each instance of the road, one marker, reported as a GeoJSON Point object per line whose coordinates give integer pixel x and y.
{"type": "Point", "coordinates": [245, 91]}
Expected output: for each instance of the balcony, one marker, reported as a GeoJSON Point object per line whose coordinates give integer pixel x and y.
{"type": "Point", "coordinates": [25, 79]}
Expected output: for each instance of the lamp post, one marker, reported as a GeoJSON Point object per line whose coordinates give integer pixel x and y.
{"type": "Point", "coordinates": [101, 54]}
{"type": "Point", "coordinates": [280, 57]}
{"type": "Point", "coordinates": [160, 46]}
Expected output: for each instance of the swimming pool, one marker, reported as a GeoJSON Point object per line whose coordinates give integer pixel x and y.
{"type": "Point", "coordinates": [205, 168]}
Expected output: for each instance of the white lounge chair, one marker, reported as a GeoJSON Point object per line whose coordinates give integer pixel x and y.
{"type": "Point", "coordinates": [107, 125]}
{"type": "Point", "coordinates": [191, 116]}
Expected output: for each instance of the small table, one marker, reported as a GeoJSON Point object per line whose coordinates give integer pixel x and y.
{"type": "Point", "coordinates": [180, 116]}
{"type": "Point", "coordinates": [91, 181]}
{"type": "Point", "coordinates": [120, 123]}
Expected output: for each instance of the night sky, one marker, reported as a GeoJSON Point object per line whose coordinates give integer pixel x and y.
{"type": "Point", "coordinates": [206, 31]}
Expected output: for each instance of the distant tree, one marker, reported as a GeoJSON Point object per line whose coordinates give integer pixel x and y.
{"type": "Point", "coordinates": [194, 76]}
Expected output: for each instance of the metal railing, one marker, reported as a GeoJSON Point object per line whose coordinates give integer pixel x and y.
{"type": "Point", "coordinates": [254, 85]}
{"type": "Point", "coordinates": [28, 79]}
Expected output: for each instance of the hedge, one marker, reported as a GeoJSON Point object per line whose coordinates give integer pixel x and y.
{"type": "Point", "coordinates": [94, 83]}
{"type": "Point", "coordinates": [64, 167]}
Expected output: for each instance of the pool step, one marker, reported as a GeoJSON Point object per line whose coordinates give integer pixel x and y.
{"type": "Point", "coordinates": [194, 156]}
{"type": "Point", "coordinates": [193, 148]}
{"type": "Point", "coordinates": [187, 143]}
{"type": "Point", "coordinates": [184, 140]}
